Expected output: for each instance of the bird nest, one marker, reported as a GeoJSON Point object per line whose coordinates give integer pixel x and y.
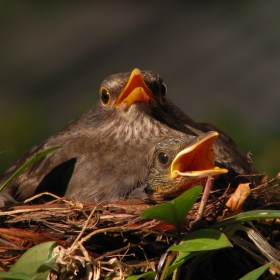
{"type": "Point", "coordinates": [111, 240]}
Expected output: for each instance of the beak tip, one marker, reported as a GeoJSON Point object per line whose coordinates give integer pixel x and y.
{"type": "Point", "coordinates": [135, 71]}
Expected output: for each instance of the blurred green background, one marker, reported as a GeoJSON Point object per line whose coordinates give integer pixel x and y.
{"type": "Point", "coordinates": [219, 59]}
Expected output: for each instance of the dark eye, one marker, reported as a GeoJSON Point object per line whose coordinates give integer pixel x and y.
{"type": "Point", "coordinates": [163, 89]}
{"type": "Point", "coordinates": [163, 158]}
{"type": "Point", "coordinates": [105, 96]}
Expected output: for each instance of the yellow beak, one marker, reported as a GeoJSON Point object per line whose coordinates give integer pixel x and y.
{"type": "Point", "coordinates": [135, 90]}
{"type": "Point", "coordinates": [198, 160]}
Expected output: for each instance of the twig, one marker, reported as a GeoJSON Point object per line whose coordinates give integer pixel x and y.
{"type": "Point", "coordinates": [50, 194]}
{"type": "Point", "coordinates": [83, 229]}
{"type": "Point", "coordinates": [203, 202]}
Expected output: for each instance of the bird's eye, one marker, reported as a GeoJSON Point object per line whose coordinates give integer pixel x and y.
{"type": "Point", "coordinates": [163, 89]}
{"type": "Point", "coordinates": [105, 96]}
{"type": "Point", "coordinates": [163, 158]}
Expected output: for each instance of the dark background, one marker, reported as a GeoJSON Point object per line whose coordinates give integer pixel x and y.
{"type": "Point", "coordinates": [219, 59]}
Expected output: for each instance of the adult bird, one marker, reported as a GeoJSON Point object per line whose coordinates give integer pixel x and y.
{"type": "Point", "coordinates": [106, 153]}
{"type": "Point", "coordinates": [103, 155]}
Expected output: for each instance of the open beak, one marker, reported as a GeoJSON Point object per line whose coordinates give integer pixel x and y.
{"type": "Point", "coordinates": [198, 160]}
{"type": "Point", "coordinates": [135, 90]}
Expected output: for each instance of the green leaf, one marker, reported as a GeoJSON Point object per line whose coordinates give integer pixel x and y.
{"type": "Point", "coordinates": [13, 275]}
{"type": "Point", "coordinates": [249, 216]}
{"type": "Point", "coordinates": [174, 211]}
{"type": "Point", "coordinates": [202, 240]}
{"type": "Point", "coordinates": [48, 266]}
{"type": "Point", "coordinates": [147, 276]}
{"type": "Point", "coordinates": [255, 274]}
{"type": "Point", "coordinates": [34, 258]}
{"type": "Point", "coordinates": [26, 164]}
{"type": "Point", "coordinates": [196, 243]}
{"type": "Point", "coordinates": [183, 257]}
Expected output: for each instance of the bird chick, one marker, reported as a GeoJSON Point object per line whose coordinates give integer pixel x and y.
{"type": "Point", "coordinates": [179, 164]}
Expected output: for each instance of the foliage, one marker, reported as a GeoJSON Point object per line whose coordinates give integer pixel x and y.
{"type": "Point", "coordinates": [174, 211]}
{"type": "Point", "coordinates": [200, 241]}
{"type": "Point", "coordinates": [35, 263]}
{"type": "Point", "coordinates": [255, 274]}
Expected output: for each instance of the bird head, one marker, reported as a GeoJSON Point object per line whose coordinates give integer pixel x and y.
{"type": "Point", "coordinates": [125, 89]}
{"type": "Point", "coordinates": [141, 91]}
{"type": "Point", "coordinates": [181, 163]}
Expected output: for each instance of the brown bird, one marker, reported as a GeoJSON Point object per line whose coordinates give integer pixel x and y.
{"type": "Point", "coordinates": [104, 154]}
{"type": "Point", "coordinates": [178, 164]}
{"type": "Point", "coordinates": [107, 152]}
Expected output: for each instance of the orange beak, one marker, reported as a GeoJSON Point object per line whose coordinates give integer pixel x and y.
{"type": "Point", "coordinates": [198, 160]}
{"type": "Point", "coordinates": [135, 90]}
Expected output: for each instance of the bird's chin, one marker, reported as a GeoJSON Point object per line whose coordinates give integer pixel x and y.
{"type": "Point", "coordinates": [137, 109]}
{"type": "Point", "coordinates": [172, 190]}
{"type": "Point", "coordinates": [188, 184]}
